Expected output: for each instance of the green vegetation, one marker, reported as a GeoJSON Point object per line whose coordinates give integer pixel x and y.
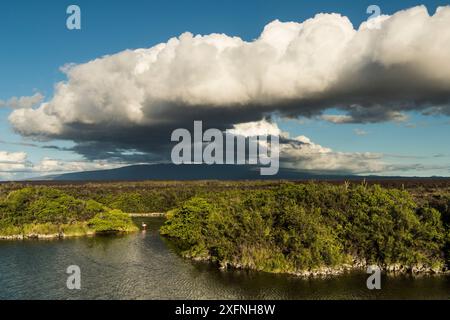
{"type": "Point", "coordinates": [112, 221]}
{"type": "Point", "coordinates": [297, 227]}
{"type": "Point", "coordinates": [33, 211]}
{"type": "Point", "coordinates": [265, 225]}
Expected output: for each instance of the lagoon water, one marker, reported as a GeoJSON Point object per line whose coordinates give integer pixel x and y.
{"type": "Point", "coordinates": [143, 266]}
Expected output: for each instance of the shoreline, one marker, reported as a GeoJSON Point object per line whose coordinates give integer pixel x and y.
{"type": "Point", "coordinates": [147, 215]}
{"type": "Point", "coordinates": [58, 236]}
{"type": "Point", "coordinates": [87, 233]}
{"type": "Point", "coordinates": [357, 265]}
{"type": "Point", "coordinates": [340, 270]}
{"type": "Point", "coordinates": [391, 270]}
{"type": "Point", "coordinates": [44, 236]}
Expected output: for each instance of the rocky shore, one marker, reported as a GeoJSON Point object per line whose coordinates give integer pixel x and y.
{"type": "Point", "coordinates": [147, 215]}
{"type": "Point", "coordinates": [361, 265]}
{"type": "Point", "coordinates": [34, 236]}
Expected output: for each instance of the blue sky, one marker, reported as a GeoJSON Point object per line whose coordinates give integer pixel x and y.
{"type": "Point", "coordinates": [36, 43]}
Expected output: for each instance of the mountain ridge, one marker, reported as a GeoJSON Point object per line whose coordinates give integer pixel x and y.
{"type": "Point", "coordinates": [203, 172]}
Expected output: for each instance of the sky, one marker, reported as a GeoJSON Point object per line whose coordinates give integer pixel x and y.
{"type": "Point", "coordinates": [348, 100]}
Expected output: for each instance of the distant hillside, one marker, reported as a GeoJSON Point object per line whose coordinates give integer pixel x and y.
{"type": "Point", "coordinates": [183, 172]}
{"type": "Point", "coordinates": [206, 172]}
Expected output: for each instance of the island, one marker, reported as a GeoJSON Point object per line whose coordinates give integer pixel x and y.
{"type": "Point", "coordinates": [312, 229]}
{"type": "Point", "coordinates": [47, 213]}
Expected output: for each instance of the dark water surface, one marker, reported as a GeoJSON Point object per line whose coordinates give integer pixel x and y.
{"type": "Point", "coordinates": [142, 266]}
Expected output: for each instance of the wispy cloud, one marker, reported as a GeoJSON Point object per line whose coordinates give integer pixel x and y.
{"type": "Point", "coordinates": [25, 102]}
{"type": "Point", "coordinates": [360, 132]}
{"type": "Point", "coordinates": [35, 145]}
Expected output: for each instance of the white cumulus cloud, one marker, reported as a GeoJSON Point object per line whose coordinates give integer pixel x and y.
{"type": "Point", "coordinates": [293, 68]}
{"type": "Point", "coordinates": [300, 153]}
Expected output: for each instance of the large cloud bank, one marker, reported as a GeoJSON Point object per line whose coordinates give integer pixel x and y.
{"type": "Point", "coordinates": [132, 100]}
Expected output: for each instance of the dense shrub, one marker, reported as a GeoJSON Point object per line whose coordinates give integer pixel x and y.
{"type": "Point", "coordinates": [42, 210]}
{"type": "Point", "coordinates": [297, 227]}
{"type": "Point", "coordinates": [112, 221]}
{"type": "Point", "coordinates": [267, 225]}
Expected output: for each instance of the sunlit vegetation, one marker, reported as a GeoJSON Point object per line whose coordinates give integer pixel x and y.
{"type": "Point", "coordinates": [46, 211]}
{"type": "Point", "coordinates": [297, 227]}
{"type": "Point", "coordinates": [263, 225]}
{"type": "Point", "coordinates": [111, 221]}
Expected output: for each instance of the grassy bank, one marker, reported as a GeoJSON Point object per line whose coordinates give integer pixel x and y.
{"type": "Point", "coordinates": [312, 229]}
{"type": "Point", "coordinates": [41, 212]}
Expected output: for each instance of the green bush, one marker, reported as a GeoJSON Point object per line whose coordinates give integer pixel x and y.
{"type": "Point", "coordinates": [43, 210]}
{"type": "Point", "coordinates": [187, 225]}
{"type": "Point", "coordinates": [76, 229]}
{"type": "Point", "coordinates": [298, 227]}
{"type": "Point", "coordinates": [112, 221]}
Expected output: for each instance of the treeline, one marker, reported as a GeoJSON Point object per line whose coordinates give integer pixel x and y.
{"type": "Point", "coordinates": [47, 211]}
{"type": "Point", "coordinates": [161, 196]}
{"type": "Point", "coordinates": [297, 227]}
{"type": "Point", "coordinates": [134, 197]}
